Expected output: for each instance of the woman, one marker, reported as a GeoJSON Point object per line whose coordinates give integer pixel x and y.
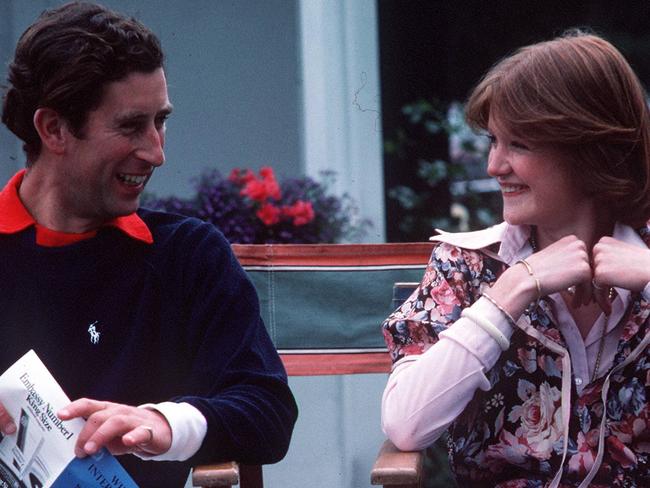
{"type": "Point", "coordinates": [517, 332]}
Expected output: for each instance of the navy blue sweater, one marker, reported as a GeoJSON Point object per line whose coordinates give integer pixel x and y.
{"type": "Point", "coordinates": [178, 320]}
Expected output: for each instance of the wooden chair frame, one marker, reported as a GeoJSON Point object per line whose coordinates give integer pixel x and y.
{"type": "Point", "coordinates": [397, 469]}
{"type": "Point", "coordinates": [228, 475]}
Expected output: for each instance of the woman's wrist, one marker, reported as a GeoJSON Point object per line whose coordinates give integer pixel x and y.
{"type": "Point", "coordinates": [515, 290]}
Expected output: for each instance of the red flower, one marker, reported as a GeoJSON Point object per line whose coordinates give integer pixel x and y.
{"type": "Point", "coordinates": [302, 212]}
{"type": "Point", "coordinates": [272, 187]}
{"type": "Point", "coordinates": [255, 190]}
{"type": "Point", "coordinates": [269, 214]}
{"type": "Point", "coordinates": [261, 190]}
{"type": "Point", "coordinates": [240, 177]}
{"type": "Point", "coordinates": [267, 172]}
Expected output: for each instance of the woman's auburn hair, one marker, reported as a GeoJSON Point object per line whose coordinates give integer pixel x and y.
{"type": "Point", "coordinates": [578, 94]}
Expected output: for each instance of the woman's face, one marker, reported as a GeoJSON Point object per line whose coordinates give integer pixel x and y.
{"type": "Point", "coordinates": [535, 184]}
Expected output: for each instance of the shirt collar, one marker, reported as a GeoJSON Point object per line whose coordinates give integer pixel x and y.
{"type": "Point", "coordinates": [514, 240]}
{"type": "Point", "coordinates": [14, 218]}
{"type": "Point", "coordinates": [483, 239]}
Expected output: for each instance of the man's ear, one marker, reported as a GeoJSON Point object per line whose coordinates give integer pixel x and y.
{"type": "Point", "coordinates": [52, 129]}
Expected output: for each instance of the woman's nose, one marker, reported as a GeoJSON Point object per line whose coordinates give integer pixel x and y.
{"type": "Point", "coordinates": [498, 162]}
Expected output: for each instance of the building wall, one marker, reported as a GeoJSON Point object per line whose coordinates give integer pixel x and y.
{"type": "Point", "coordinates": [232, 70]}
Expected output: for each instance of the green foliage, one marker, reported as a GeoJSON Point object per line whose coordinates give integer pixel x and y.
{"type": "Point", "coordinates": [451, 189]}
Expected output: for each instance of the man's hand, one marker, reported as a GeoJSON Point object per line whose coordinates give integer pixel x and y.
{"type": "Point", "coordinates": [121, 428]}
{"type": "Point", "coordinates": [7, 424]}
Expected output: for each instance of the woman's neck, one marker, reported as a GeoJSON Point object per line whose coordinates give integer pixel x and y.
{"type": "Point", "coordinates": [587, 231]}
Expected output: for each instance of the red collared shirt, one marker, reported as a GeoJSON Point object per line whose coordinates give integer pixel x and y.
{"type": "Point", "coordinates": [14, 217]}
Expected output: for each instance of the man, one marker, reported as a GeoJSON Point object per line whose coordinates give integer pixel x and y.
{"type": "Point", "coordinates": [145, 317]}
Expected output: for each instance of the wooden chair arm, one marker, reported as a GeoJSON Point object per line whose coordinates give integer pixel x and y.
{"type": "Point", "coordinates": [210, 475]}
{"type": "Point", "coordinates": [397, 469]}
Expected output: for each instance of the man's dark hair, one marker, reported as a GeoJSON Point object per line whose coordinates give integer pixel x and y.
{"type": "Point", "coordinates": [64, 60]}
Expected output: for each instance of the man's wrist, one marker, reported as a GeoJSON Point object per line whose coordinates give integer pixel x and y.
{"type": "Point", "coordinates": [188, 426]}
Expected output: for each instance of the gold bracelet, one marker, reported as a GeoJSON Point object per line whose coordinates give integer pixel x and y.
{"type": "Point", "coordinates": [538, 285]}
{"type": "Point", "coordinates": [528, 266]}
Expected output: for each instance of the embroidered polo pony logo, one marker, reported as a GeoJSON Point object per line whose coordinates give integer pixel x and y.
{"type": "Point", "coordinates": [94, 333]}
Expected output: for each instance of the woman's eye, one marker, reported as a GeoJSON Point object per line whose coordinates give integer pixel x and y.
{"type": "Point", "coordinates": [492, 139]}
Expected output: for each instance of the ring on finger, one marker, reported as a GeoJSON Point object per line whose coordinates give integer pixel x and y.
{"type": "Point", "coordinates": [150, 430]}
{"type": "Point", "coordinates": [571, 290]}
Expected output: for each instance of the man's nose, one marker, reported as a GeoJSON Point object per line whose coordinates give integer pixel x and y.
{"type": "Point", "coordinates": [151, 147]}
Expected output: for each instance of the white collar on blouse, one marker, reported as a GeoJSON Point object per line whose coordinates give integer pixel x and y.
{"type": "Point", "coordinates": [513, 239]}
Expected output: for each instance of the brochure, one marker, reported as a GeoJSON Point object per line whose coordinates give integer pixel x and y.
{"type": "Point", "coordinates": [41, 452]}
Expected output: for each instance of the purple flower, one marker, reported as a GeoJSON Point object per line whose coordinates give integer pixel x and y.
{"type": "Point", "coordinates": [219, 200]}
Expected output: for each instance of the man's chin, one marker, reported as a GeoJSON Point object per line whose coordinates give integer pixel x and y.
{"type": "Point", "coordinates": [123, 210]}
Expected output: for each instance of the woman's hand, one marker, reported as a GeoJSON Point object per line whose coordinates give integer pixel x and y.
{"type": "Point", "coordinates": [121, 428]}
{"type": "Point", "coordinates": [563, 264]}
{"type": "Point", "coordinates": [616, 263]}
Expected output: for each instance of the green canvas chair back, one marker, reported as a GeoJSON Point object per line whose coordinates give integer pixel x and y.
{"type": "Point", "coordinates": [323, 304]}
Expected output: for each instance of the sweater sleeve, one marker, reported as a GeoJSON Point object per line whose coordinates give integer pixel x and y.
{"type": "Point", "coordinates": [440, 357]}
{"type": "Point", "coordinates": [238, 378]}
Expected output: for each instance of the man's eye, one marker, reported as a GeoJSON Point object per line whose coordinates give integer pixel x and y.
{"type": "Point", "coordinates": [161, 121]}
{"type": "Point", "coordinates": [130, 128]}
{"type": "Point", "coordinates": [519, 145]}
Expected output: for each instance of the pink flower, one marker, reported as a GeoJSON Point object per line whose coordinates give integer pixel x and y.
{"type": "Point", "coordinates": [430, 275]}
{"type": "Point", "coordinates": [509, 450]}
{"type": "Point", "coordinates": [528, 359]}
{"type": "Point", "coordinates": [474, 261]}
{"type": "Point", "coordinates": [269, 214]}
{"type": "Point", "coordinates": [445, 298]}
{"type": "Point", "coordinates": [582, 461]}
{"type": "Point", "coordinates": [447, 252]}
{"type": "Point", "coordinates": [620, 452]}
{"type": "Point", "coordinates": [301, 212]}
{"type": "Point", "coordinates": [540, 417]}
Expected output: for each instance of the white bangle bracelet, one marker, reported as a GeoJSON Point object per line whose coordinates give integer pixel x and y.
{"type": "Point", "coordinates": [505, 313]}
{"type": "Point", "coordinates": [488, 327]}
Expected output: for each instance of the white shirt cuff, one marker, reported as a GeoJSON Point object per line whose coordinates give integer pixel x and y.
{"type": "Point", "coordinates": [188, 430]}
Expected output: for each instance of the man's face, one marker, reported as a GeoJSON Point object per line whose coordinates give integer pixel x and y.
{"type": "Point", "coordinates": [122, 143]}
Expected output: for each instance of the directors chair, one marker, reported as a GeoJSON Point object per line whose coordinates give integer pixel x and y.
{"type": "Point", "coordinates": [344, 289]}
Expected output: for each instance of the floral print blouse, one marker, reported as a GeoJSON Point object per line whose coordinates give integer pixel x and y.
{"type": "Point", "coordinates": [532, 429]}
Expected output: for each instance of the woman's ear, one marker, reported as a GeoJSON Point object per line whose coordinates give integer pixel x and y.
{"type": "Point", "coordinates": [52, 129]}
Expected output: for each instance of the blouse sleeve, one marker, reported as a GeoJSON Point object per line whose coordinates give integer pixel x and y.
{"type": "Point", "coordinates": [440, 357]}
{"type": "Point", "coordinates": [431, 308]}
